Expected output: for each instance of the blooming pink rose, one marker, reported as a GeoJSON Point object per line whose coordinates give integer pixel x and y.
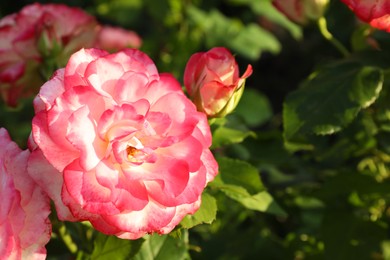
{"type": "Point", "coordinates": [128, 151]}
{"type": "Point", "coordinates": [212, 80]}
{"type": "Point", "coordinates": [301, 11]}
{"type": "Point", "coordinates": [37, 39]}
{"type": "Point", "coordinates": [374, 12]}
{"type": "Point", "coordinates": [24, 225]}
{"type": "Point", "coordinates": [115, 39]}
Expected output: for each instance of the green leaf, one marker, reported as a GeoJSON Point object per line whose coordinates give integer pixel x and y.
{"type": "Point", "coordinates": [238, 173]}
{"type": "Point", "coordinates": [163, 247]}
{"type": "Point", "coordinates": [206, 213]}
{"type": "Point", "coordinates": [329, 101]}
{"type": "Point", "coordinates": [225, 136]}
{"type": "Point", "coordinates": [111, 247]}
{"type": "Point", "coordinates": [254, 108]}
{"type": "Point", "coordinates": [252, 40]}
{"type": "Point", "coordinates": [262, 202]}
{"type": "Point", "coordinates": [264, 8]}
{"type": "Point", "coordinates": [249, 41]}
{"type": "Point", "coordinates": [241, 181]}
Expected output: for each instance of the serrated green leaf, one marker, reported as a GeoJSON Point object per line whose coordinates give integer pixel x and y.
{"type": "Point", "coordinates": [206, 213]}
{"type": "Point", "coordinates": [111, 247]}
{"type": "Point", "coordinates": [225, 136]}
{"type": "Point", "coordinates": [238, 173]}
{"type": "Point", "coordinates": [329, 101]}
{"type": "Point", "coordinates": [163, 247]}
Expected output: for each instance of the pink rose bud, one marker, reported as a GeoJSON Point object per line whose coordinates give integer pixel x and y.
{"type": "Point", "coordinates": [374, 12]}
{"type": "Point", "coordinates": [212, 81]}
{"type": "Point", "coordinates": [37, 40]}
{"type": "Point", "coordinates": [114, 39]}
{"type": "Point", "coordinates": [301, 11]}
{"type": "Point", "coordinates": [24, 225]}
{"type": "Point", "coordinates": [120, 145]}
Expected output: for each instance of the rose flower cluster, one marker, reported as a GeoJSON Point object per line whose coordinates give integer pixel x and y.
{"type": "Point", "coordinates": [35, 42]}
{"type": "Point", "coordinates": [113, 142]}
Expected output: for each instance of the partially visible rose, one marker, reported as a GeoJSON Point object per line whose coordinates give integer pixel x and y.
{"type": "Point", "coordinates": [24, 225]}
{"type": "Point", "coordinates": [37, 40]}
{"type": "Point", "coordinates": [374, 12]}
{"type": "Point", "coordinates": [120, 145]}
{"type": "Point", "coordinates": [212, 80]}
{"type": "Point", "coordinates": [114, 39]}
{"type": "Point", "coordinates": [301, 11]}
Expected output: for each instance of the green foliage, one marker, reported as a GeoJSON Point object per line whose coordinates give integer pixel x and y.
{"type": "Point", "coordinates": [254, 108]}
{"type": "Point", "coordinates": [240, 181]}
{"type": "Point", "coordinates": [249, 41]}
{"type": "Point", "coordinates": [164, 247]}
{"type": "Point", "coordinates": [329, 101]}
{"type": "Point", "coordinates": [224, 136]}
{"type": "Point", "coordinates": [265, 9]}
{"type": "Point", "coordinates": [111, 247]}
{"type": "Point", "coordinates": [206, 213]}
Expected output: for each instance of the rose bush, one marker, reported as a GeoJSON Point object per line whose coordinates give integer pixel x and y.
{"type": "Point", "coordinates": [125, 148]}
{"type": "Point", "coordinates": [212, 80]}
{"type": "Point", "coordinates": [115, 39]}
{"type": "Point", "coordinates": [24, 225]}
{"type": "Point", "coordinates": [36, 40]}
{"type": "Point", "coordinates": [376, 13]}
{"type": "Point", "coordinates": [301, 11]}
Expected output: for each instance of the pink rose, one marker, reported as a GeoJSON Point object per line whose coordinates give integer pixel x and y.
{"type": "Point", "coordinates": [301, 11]}
{"type": "Point", "coordinates": [212, 81]}
{"type": "Point", "coordinates": [374, 12]}
{"type": "Point", "coordinates": [24, 225]}
{"type": "Point", "coordinates": [35, 41]}
{"type": "Point", "coordinates": [115, 39]}
{"type": "Point", "coordinates": [129, 152]}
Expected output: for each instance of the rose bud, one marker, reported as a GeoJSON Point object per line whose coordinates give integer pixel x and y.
{"type": "Point", "coordinates": [301, 11]}
{"type": "Point", "coordinates": [213, 83]}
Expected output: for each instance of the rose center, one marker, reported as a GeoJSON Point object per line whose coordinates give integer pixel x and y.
{"type": "Point", "coordinates": [135, 155]}
{"type": "Point", "coordinates": [134, 150]}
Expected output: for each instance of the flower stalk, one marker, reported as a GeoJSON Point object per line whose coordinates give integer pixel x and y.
{"type": "Point", "coordinates": [322, 26]}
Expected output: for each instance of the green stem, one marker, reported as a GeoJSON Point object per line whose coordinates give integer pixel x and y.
{"type": "Point", "coordinates": [329, 36]}
{"type": "Point", "coordinates": [67, 239]}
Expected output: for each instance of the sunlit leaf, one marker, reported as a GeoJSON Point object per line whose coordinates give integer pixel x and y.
{"type": "Point", "coordinates": [225, 136]}
{"type": "Point", "coordinates": [206, 213]}
{"type": "Point", "coordinates": [238, 173]}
